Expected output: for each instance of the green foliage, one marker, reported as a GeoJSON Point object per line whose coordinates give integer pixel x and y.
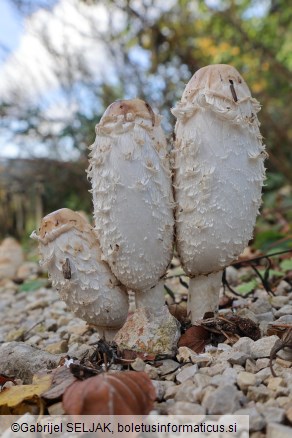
{"type": "Point", "coordinates": [286, 265]}
{"type": "Point", "coordinates": [245, 288]}
{"type": "Point", "coordinates": [32, 285]}
{"type": "Point", "coordinates": [264, 239]}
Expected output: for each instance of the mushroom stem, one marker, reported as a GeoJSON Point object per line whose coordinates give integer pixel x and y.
{"type": "Point", "coordinates": [153, 298]}
{"type": "Point", "coordinates": [204, 294]}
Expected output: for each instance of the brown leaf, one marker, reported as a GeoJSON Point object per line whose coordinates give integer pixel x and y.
{"type": "Point", "coordinates": [4, 379]}
{"type": "Point", "coordinates": [195, 338]}
{"type": "Point", "coordinates": [246, 327]}
{"type": "Point", "coordinates": [225, 302]}
{"type": "Point", "coordinates": [278, 329]}
{"type": "Point", "coordinates": [131, 355]}
{"type": "Point", "coordinates": [62, 378]}
{"type": "Point", "coordinates": [179, 311]}
{"type": "Point", "coordinates": [123, 393]}
{"type": "Point", "coordinates": [232, 324]}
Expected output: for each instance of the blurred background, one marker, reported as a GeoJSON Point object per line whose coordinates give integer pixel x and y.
{"type": "Point", "coordinates": [62, 62]}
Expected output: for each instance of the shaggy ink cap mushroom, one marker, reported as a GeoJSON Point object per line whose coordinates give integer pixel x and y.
{"type": "Point", "coordinates": [218, 178]}
{"type": "Point", "coordinates": [71, 253]}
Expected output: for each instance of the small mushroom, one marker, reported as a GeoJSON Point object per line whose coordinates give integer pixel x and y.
{"type": "Point", "coordinates": [218, 177]}
{"type": "Point", "coordinates": [132, 197]}
{"type": "Point", "coordinates": [70, 251]}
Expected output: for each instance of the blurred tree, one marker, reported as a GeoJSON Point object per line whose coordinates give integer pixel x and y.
{"type": "Point", "coordinates": [153, 48]}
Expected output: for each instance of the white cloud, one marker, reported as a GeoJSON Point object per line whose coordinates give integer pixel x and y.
{"type": "Point", "coordinates": [51, 47]}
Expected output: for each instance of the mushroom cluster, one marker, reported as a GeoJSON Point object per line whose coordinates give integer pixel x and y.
{"type": "Point", "coordinates": [218, 172]}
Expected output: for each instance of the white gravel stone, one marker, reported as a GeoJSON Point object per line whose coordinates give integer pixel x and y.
{"type": "Point", "coordinates": [171, 392]}
{"type": "Point", "coordinates": [223, 400]}
{"type": "Point", "coordinates": [258, 393]}
{"type": "Point", "coordinates": [263, 346]}
{"type": "Point", "coordinates": [275, 430]}
{"type": "Point", "coordinates": [262, 363]}
{"type": "Point", "coordinates": [245, 379]}
{"type": "Point", "coordinates": [256, 420]}
{"type": "Point", "coordinates": [217, 368]}
{"type": "Point", "coordinates": [189, 393]}
{"type": "Point", "coordinates": [286, 319]}
{"type": "Point", "coordinates": [237, 357]}
{"type": "Point", "coordinates": [186, 408]}
{"type": "Point", "coordinates": [279, 301]}
{"type": "Point", "coordinates": [273, 414]}
{"type": "Point", "coordinates": [244, 344]}
{"type": "Point", "coordinates": [22, 360]}
{"type": "Point", "coordinates": [250, 366]}
{"type": "Point", "coordinates": [285, 310]}
{"type": "Point", "coordinates": [282, 288]}
{"type": "Point", "coordinates": [187, 373]}
{"type": "Point", "coordinates": [149, 332]}
{"type": "Point", "coordinates": [261, 305]}
{"type": "Point", "coordinates": [263, 374]}
{"type": "Point", "coordinates": [161, 387]}
{"type": "Point", "coordinates": [265, 317]}
{"type": "Point", "coordinates": [152, 372]}
{"type": "Point", "coordinates": [185, 354]}
{"type": "Point", "coordinates": [202, 380]}
{"type": "Point", "coordinates": [231, 275]}
{"type": "Point", "coordinates": [138, 364]}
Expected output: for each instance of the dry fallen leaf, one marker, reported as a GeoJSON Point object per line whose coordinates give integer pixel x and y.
{"type": "Point", "coordinates": [123, 393]}
{"type": "Point", "coordinates": [12, 400]}
{"type": "Point", "coordinates": [130, 355]}
{"type": "Point", "coordinates": [231, 324]}
{"type": "Point", "coordinates": [62, 378]}
{"type": "Point", "coordinates": [195, 338]}
{"type": "Point", "coordinates": [180, 312]}
{"type": "Point", "coordinates": [4, 379]}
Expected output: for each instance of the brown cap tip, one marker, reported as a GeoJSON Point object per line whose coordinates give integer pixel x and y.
{"type": "Point", "coordinates": [124, 107]}
{"type": "Point", "coordinates": [217, 77]}
{"type": "Point", "coordinates": [61, 217]}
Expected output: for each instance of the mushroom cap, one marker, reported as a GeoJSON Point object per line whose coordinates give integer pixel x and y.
{"type": "Point", "coordinates": [70, 251]}
{"type": "Point", "coordinates": [217, 78]}
{"type": "Point", "coordinates": [60, 218]}
{"type": "Point", "coordinates": [132, 194]}
{"type": "Point", "coordinates": [218, 169]}
{"type": "Point", "coordinates": [124, 107]}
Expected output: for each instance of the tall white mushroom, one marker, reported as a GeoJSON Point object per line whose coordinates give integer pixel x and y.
{"type": "Point", "coordinates": [218, 177]}
{"type": "Point", "coordinates": [70, 251]}
{"type": "Point", "coordinates": [132, 197]}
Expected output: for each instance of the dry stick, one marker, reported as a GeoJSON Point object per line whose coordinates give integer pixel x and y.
{"type": "Point", "coordinates": [22, 337]}
{"type": "Point", "coordinates": [254, 259]}
{"type": "Point", "coordinates": [280, 344]}
{"type": "Point", "coordinates": [225, 283]}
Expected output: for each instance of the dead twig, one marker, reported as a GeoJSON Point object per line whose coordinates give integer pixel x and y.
{"type": "Point", "coordinates": [280, 344]}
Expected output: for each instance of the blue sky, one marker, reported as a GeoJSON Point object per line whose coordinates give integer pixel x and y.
{"type": "Point", "coordinates": [11, 27]}
{"type": "Point", "coordinates": [25, 65]}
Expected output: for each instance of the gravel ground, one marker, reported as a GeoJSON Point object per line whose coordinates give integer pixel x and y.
{"type": "Point", "coordinates": [224, 379]}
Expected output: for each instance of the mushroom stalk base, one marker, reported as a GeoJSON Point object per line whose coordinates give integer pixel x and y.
{"type": "Point", "coordinates": [105, 333]}
{"type": "Point", "coordinates": [204, 295]}
{"type": "Point", "coordinates": [152, 298]}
